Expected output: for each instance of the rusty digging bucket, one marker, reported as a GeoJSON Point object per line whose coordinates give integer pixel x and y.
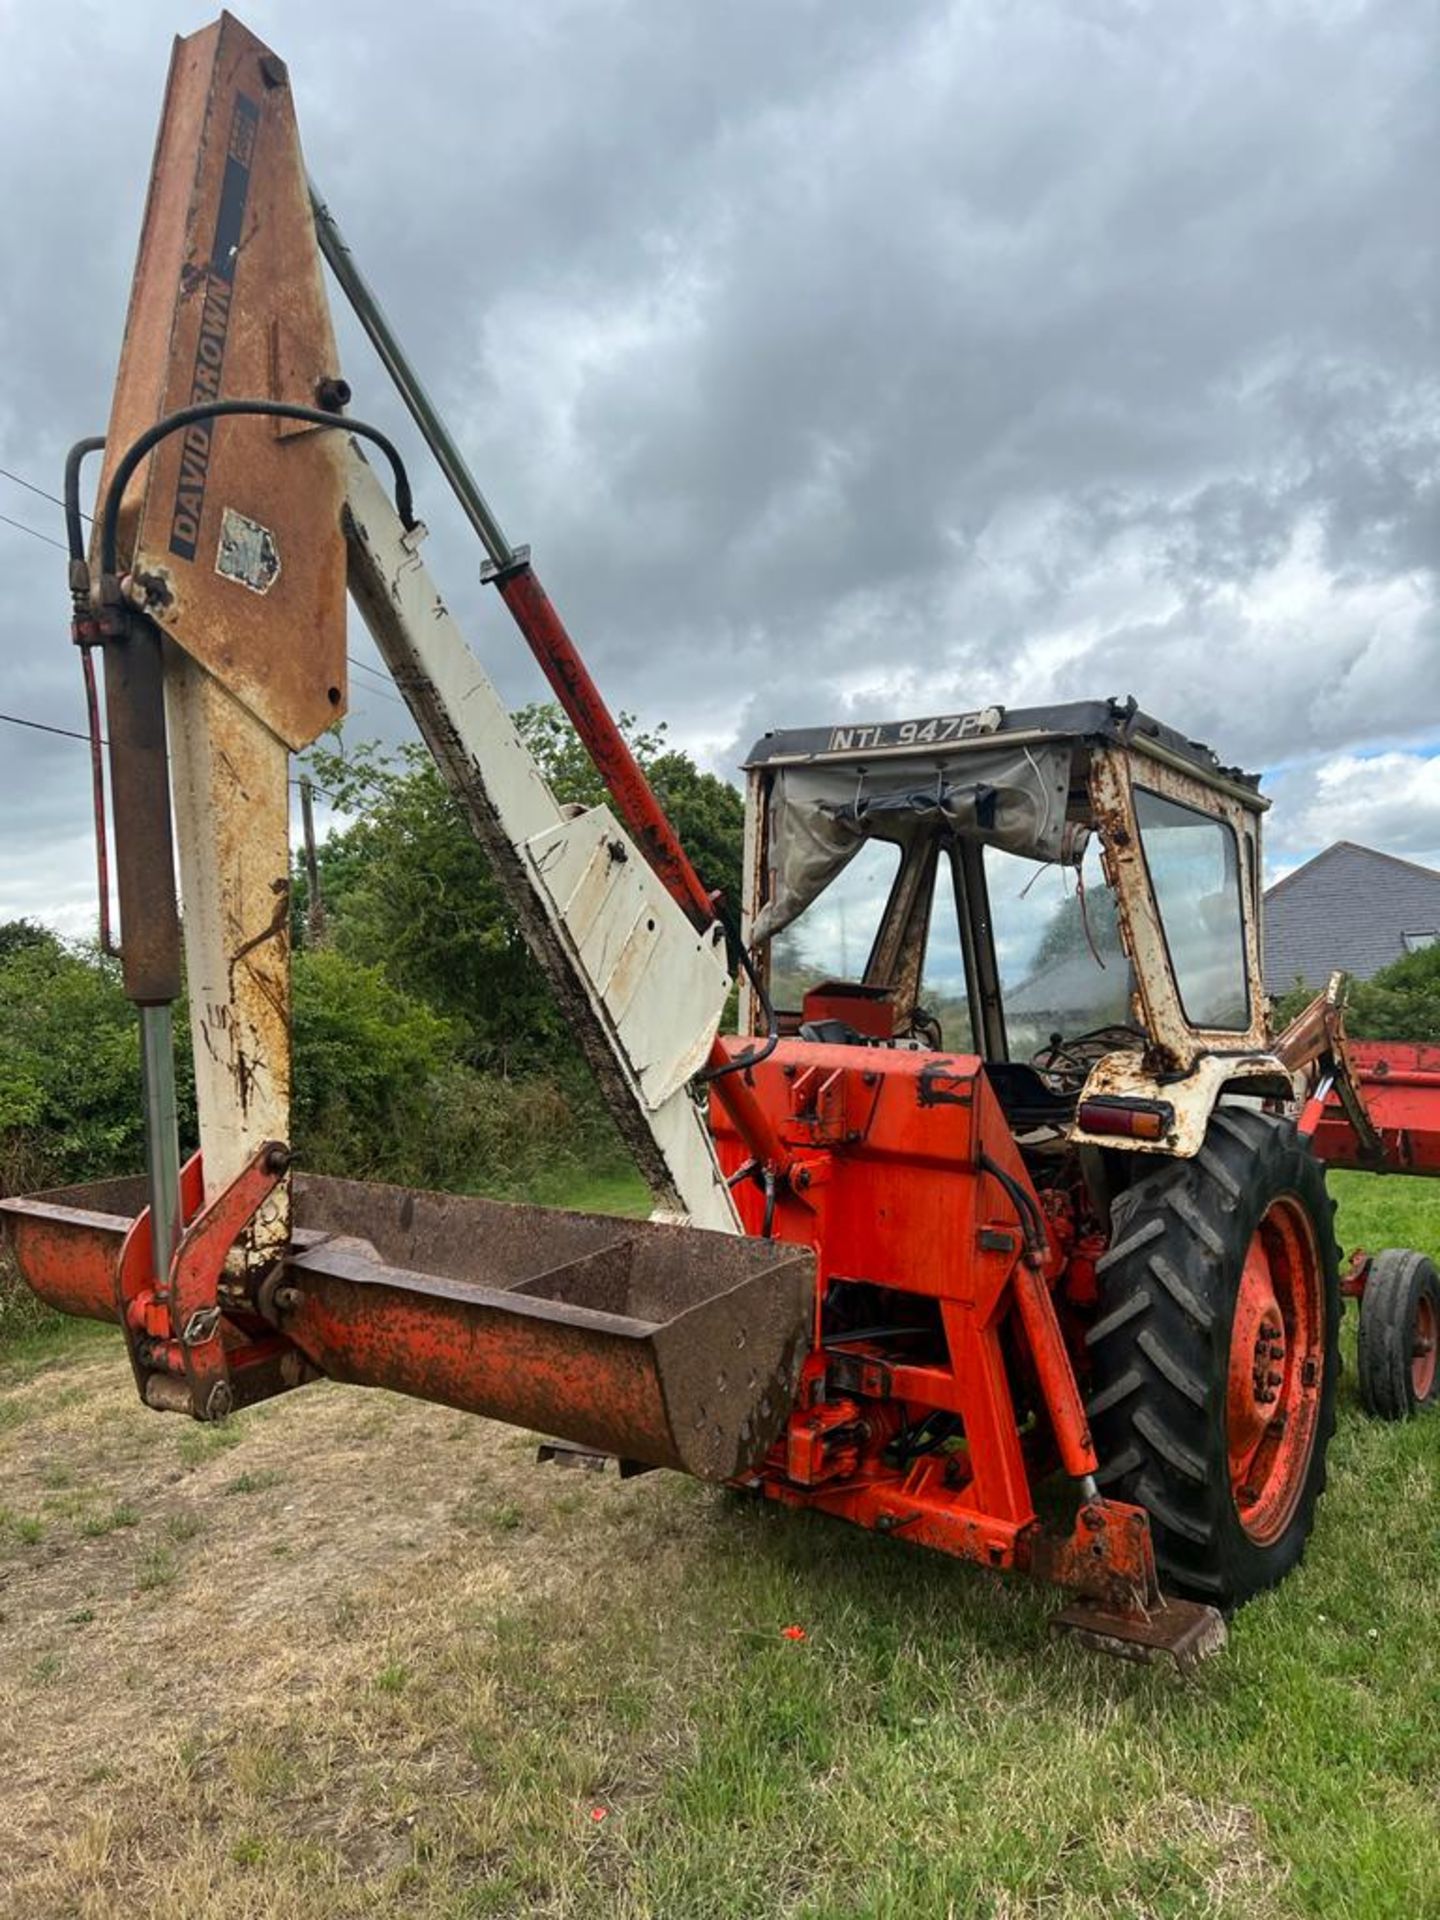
{"type": "Point", "coordinates": [665, 1345]}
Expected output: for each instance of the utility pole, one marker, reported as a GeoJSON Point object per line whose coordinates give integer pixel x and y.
{"type": "Point", "coordinates": [314, 904]}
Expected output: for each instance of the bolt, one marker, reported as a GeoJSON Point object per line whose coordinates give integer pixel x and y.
{"type": "Point", "coordinates": [1277, 1351]}
{"type": "Point", "coordinates": [1273, 1379]}
{"type": "Point", "coordinates": [277, 1158]}
{"type": "Point", "coordinates": [332, 394]}
{"type": "Point", "coordinates": [286, 1299]}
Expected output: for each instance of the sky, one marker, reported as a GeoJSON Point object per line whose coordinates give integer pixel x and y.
{"type": "Point", "coordinates": [837, 360]}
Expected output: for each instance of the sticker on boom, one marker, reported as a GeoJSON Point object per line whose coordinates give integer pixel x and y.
{"type": "Point", "coordinates": [943, 730]}
{"type": "Point", "coordinates": [248, 552]}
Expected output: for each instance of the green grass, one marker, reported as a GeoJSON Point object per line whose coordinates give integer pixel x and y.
{"type": "Point", "coordinates": [618, 1190]}
{"type": "Point", "coordinates": [1378, 1211]}
{"type": "Point", "coordinates": [615, 1725]}
{"type": "Point", "coordinates": [31, 1342]}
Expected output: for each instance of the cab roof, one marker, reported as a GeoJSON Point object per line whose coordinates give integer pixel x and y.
{"type": "Point", "coordinates": [1111, 723]}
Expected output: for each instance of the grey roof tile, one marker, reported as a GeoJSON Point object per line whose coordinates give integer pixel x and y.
{"type": "Point", "coordinates": [1348, 907]}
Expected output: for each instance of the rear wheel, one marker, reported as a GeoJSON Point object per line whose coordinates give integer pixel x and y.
{"type": "Point", "coordinates": [1398, 1364]}
{"type": "Point", "coordinates": [1214, 1358]}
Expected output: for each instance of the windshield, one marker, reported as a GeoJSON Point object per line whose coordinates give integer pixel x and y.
{"type": "Point", "coordinates": [1057, 946]}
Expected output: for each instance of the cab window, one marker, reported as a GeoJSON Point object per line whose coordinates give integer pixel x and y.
{"type": "Point", "coordinates": [1057, 948]}
{"type": "Point", "coordinates": [833, 937]}
{"type": "Point", "coordinates": [1194, 868]}
{"type": "Point", "coordinates": [942, 983]}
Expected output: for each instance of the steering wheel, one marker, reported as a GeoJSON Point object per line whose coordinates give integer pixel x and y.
{"type": "Point", "coordinates": [1066, 1064]}
{"type": "Point", "coordinates": [922, 1025]}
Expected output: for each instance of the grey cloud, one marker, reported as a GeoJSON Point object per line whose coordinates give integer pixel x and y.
{"type": "Point", "coordinates": [832, 355]}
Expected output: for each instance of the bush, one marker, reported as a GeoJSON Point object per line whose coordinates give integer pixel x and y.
{"type": "Point", "coordinates": [381, 1095]}
{"type": "Point", "coordinates": [516, 1139]}
{"type": "Point", "coordinates": [70, 1083]}
{"type": "Point", "coordinates": [365, 1055]}
{"type": "Point", "coordinates": [1401, 1002]}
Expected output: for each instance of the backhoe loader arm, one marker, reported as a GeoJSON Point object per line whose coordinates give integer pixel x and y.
{"type": "Point", "coordinates": [219, 583]}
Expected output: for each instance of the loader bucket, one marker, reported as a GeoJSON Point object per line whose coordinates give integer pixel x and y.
{"type": "Point", "coordinates": [665, 1345]}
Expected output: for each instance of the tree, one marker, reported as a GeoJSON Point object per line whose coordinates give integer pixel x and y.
{"type": "Point", "coordinates": [70, 1089]}
{"type": "Point", "coordinates": [408, 889]}
{"type": "Point", "coordinates": [1066, 929]}
{"type": "Point", "coordinates": [26, 936]}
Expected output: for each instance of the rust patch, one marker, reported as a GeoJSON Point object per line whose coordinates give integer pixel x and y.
{"type": "Point", "coordinates": [227, 253]}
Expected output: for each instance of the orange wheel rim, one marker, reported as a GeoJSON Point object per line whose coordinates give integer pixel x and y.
{"type": "Point", "coordinates": [1422, 1351]}
{"type": "Point", "coordinates": [1277, 1370]}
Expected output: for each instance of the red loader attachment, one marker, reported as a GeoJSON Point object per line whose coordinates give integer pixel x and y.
{"type": "Point", "coordinates": [1398, 1086]}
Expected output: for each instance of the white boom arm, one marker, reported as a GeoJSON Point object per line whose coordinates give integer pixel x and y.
{"type": "Point", "coordinates": [642, 989]}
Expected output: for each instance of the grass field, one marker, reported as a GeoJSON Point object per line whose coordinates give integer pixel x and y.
{"type": "Point", "coordinates": [351, 1655]}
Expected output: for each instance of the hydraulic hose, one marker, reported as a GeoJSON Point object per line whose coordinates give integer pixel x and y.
{"type": "Point", "coordinates": [84, 633]}
{"type": "Point", "coordinates": [1047, 1343]}
{"type": "Point", "coordinates": [224, 409]}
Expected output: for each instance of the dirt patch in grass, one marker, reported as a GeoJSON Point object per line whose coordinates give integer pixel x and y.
{"type": "Point", "coordinates": [171, 1593]}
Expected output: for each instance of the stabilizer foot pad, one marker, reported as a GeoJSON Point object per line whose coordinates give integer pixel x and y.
{"type": "Point", "coordinates": [565, 1453]}
{"type": "Point", "coordinates": [1184, 1631]}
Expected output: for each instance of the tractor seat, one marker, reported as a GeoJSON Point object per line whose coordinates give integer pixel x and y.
{"type": "Point", "coordinates": [1025, 1098]}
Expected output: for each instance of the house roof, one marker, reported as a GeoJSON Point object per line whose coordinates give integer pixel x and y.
{"type": "Point", "coordinates": [1348, 907]}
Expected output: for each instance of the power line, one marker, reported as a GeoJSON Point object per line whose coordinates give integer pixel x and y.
{"type": "Point", "coordinates": [375, 674]}
{"type": "Point", "coordinates": [21, 527]}
{"type": "Point", "coordinates": [43, 726]}
{"type": "Point", "coordinates": [31, 487]}
{"type": "Point", "coordinates": [69, 733]}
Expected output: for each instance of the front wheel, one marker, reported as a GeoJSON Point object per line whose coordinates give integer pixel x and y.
{"type": "Point", "coordinates": [1215, 1356]}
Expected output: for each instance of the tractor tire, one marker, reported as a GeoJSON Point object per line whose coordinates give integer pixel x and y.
{"type": "Point", "coordinates": [1398, 1365]}
{"type": "Point", "coordinates": [1215, 1357]}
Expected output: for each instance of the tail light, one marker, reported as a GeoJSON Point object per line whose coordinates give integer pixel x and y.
{"type": "Point", "coordinates": [1127, 1119]}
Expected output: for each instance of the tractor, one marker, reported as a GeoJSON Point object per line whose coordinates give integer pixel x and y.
{"type": "Point", "coordinates": [1000, 1223]}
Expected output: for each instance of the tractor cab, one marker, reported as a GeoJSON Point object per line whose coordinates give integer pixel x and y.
{"type": "Point", "coordinates": [1071, 893]}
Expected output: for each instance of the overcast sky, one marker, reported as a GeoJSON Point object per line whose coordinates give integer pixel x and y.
{"type": "Point", "coordinates": [837, 358]}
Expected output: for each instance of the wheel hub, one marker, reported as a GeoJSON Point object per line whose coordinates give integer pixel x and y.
{"type": "Point", "coordinates": [1275, 1372]}
{"type": "Point", "coordinates": [1423, 1349]}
